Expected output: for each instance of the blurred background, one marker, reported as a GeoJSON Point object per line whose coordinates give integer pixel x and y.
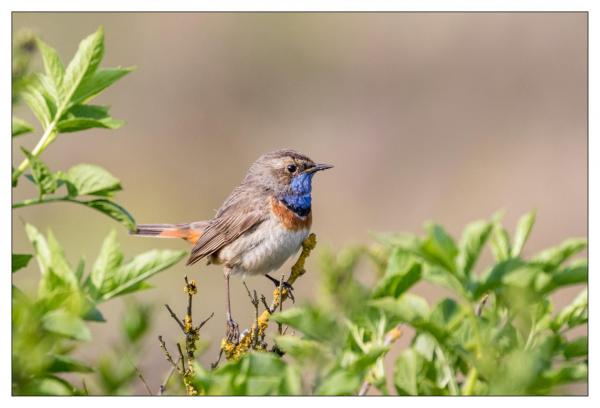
{"type": "Point", "coordinates": [426, 116]}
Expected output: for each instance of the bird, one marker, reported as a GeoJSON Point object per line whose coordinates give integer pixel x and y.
{"type": "Point", "coordinates": [260, 225]}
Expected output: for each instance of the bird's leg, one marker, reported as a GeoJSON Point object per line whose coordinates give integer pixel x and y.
{"type": "Point", "coordinates": [233, 332]}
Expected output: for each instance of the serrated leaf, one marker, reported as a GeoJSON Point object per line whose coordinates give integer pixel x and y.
{"type": "Point", "coordinates": [500, 243]}
{"type": "Point", "coordinates": [43, 177]}
{"type": "Point", "coordinates": [54, 69]}
{"type": "Point", "coordinates": [109, 259]}
{"type": "Point", "coordinates": [524, 227]}
{"type": "Point", "coordinates": [66, 324]}
{"type": "Point", "coordinates": [137, 270]}
{"type": "Point", "coordinates": [83, 65]}
{"type": "Point", "coordinates": [113, 210]}
{"type": "Point", "coordinates": [67, 364]}
{"type": "Point", "coordinates": [474, 238]}
{"type": "Point", "coordinates": [89, 179]}
{"type": "Point", "coordinates": [20, 261]}
{"type": "Point", "coordinates": [99, 81]}
{"type": "Point", "coordinates": [20, 127]}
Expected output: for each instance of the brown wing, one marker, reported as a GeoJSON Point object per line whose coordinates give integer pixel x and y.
{"type": "Point", "coordinates": [223, 230]}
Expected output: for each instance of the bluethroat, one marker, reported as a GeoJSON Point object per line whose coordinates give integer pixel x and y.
{"type": "Point", "coordinates": [261, 224]}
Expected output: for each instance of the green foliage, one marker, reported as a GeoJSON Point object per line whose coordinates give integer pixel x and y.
{"type": "Point", "coordinates": [497, 334]}
{"type": "Point", "coordinates": [59, 100]}
{"type": "Point", "coordinates": [48, 327]}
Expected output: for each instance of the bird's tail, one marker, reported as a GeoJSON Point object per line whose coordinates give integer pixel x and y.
{"type": "Point", "coordinates": [190, 232]}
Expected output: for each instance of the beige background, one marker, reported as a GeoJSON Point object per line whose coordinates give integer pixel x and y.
{"type": "Point", "coordinates": [425, 116]}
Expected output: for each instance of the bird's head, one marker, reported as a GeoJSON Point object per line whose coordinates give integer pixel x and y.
{"type": "Point", "coordinates": [288, 175]}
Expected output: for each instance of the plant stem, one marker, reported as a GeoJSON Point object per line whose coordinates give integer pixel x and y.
{"type": "Point", "coordinates": [47, 138]}
{"type": "Point", "coordinates": [35, 201]}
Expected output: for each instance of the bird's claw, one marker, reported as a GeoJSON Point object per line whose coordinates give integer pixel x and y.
{"type": "Point", "coordinates": [233, 331]}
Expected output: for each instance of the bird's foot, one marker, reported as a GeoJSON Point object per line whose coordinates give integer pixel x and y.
{"type": "Point", "coordinates": [233, 331]}
{"type": "Point", "coordinates": [284, 285]}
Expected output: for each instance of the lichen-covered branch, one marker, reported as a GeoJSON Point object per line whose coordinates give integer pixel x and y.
{"type": "Point", "coordinates": [192, 334]}
{"type": "Point", "coordinates": [253, 336]}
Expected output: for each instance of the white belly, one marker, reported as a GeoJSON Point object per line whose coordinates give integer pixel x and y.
{"type": "Point", "coordinates": [262, 250]}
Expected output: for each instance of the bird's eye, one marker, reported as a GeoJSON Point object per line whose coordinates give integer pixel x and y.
{"type": "Point", "coordinates": [291, 168]}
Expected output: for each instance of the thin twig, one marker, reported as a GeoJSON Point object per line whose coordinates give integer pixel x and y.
{"type": "Point", "coordinates": [174, 316]}
{"type": "Point", "coordinates": [163, 387]}
{"type": "Point", "coordinates": [181, 357]}
{"type": "Point", "coordinates": [163, 346]}
{"type": "Point", "coordinates": [140, 375]}
{"type": "Point", "coordinates": [205, 320]}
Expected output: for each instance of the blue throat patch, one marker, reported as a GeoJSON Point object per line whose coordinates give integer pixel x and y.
{"type": "Point", "coordinates": [298, 198]}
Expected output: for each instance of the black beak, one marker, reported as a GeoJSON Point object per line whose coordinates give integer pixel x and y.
{"type": "Point", "coordinates": [318, 167]}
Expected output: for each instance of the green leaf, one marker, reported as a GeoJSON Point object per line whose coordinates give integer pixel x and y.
{"type": "Point", "coordinates": [439, 248]}
{"type": "Point", "coordinates": [401, 274]}
{"type": "Point", "coordinates": [497, 274]}
{"type": "Point", "coordinates": [20, 127]}
{"type": "Point", "coordinates": [474, 238]}
{"type": "Point", "coordinates": [66, 324]}
{"type": "Point", "coordinates": [113, 210]}
{"type": "Point", "coordinates": [81, 117]}
{"type": "Point", "coordinates": [339, 382]}
{"type": "Point", "coordinates": [524, 227]}
{"type": "Point", "coordinates": [500, 243]}
{"type": "Point", "coordinates": [34, 98]}
{"type": "Point", "coordinates": [99, 81]}
{"type": "Point", "coordinates": [408, 308]}
{"type": "Point", "coordinates": [83, 65]}
{"type": "Point", "coordinates": [20, 261]}
{"type": "Point", "coordinates": [552, 258]}
{"type": "Point", "coordinates": [571, 275]}
{"type": "Point", "coordinates": [67, 364]}
{"type": "Point", "coordinates": [49, 385]}
{"type": "Point", "coordinates": [567, 373]}
{"type": "Point", "coordinates": [43, 177]}
{"type": "Point", "coordinates": [54, 69]}
{"type": "Point", "coordinates": [109, 259]}
{"type": "Point", "coordinates": [574, 314]}
{"type": "Point", "coordinates": [89, 179]}
{"type": "Point", "coordinates": [313, 322]}
{"type": "Point", "coordinates": [137, 270]}
{"type": "Point", "coordinates": [78, 124]}
{"type": "Point", "coordinates": [302, 350]}
{"type": "Point", "coordinates": [406, 372]}
{"type": "Point", "coordinates": [577, 347]}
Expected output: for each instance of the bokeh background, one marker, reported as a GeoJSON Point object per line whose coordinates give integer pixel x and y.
{"type": "Point", "coordinates": [442, 116]}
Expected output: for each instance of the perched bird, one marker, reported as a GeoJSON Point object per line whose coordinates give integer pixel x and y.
{"type": "Point", "coordinates": [260, 225]}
